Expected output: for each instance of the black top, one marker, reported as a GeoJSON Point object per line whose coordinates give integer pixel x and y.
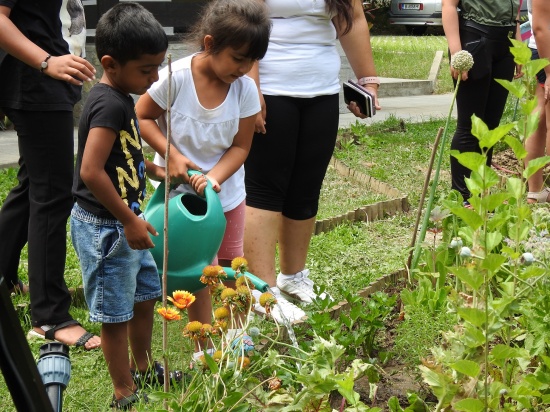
{"type": "Point", "coordinates": [107, 107]}
{"type": "Point", "coordinates": [24, 87]}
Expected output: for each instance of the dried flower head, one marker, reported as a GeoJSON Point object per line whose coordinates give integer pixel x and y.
{"type": "Point", "coordinates": [193, 330]}
{"type": "Point", "coordinates": [212, 275]}
{"type": "Point", "coordinates": [216, 292]}
{"type": "Point", "coordinates": [244, 281]}
{"type": "Point", "coordinates": [206, 331]}
{"type": "Point", "coordinates": [239, 264]}
{"type": "Point", "coordinates": [462, 61]}
{"type": "Point", "coordinates": [220, 326]}
{"type": "Point", "coordinates": [274, 384]}
{"type": "Point", "coordinates": [181, 299]}
{"type": "Point", "coordinates": [244, 299]}
{"type": "Point", "coordinates": [169, 314]}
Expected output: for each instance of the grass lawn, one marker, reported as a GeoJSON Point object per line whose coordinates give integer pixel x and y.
{"type": "Point", "coordinates": [411, 57]}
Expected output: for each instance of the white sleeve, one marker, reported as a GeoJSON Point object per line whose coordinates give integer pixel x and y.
{"type": "Point", "coordinates": [249, 100]}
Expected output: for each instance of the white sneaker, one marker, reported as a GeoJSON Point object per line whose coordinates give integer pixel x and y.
{"type": "Point", "coordinates": [298, 287]}
{"type": "Point", "coordinates": [283, 312]}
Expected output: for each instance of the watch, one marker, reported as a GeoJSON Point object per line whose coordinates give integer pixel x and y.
{"type": "Point", "coordinates": [44, 64]}
{"type": "Point", "coordinates": [363, 81]}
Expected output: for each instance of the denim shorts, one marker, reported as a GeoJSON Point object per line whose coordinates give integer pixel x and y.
{"type": "Point", "coordinates": [115, 276]}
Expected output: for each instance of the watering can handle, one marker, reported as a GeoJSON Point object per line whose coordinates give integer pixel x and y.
{"type": "Point", "coordinates": [158, 195]}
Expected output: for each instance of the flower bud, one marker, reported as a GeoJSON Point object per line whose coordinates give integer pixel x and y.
{"type": "Point", "coordinates": [465, 252]}
{"type": "Point", "coordinates": [456, 243]}
{"type": "Point", "coordinates": [527, 258]}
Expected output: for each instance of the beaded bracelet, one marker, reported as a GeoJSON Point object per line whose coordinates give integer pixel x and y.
{"type": "Point", "coordinates": [369, 80]}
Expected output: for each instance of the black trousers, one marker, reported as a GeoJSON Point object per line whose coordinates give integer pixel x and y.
{"type": "Point", "coordinates": [286, 167]}
{"type": "Point", "coordinates": [37, 209]}
{"type": "Point", "coordinates": [480, 94]}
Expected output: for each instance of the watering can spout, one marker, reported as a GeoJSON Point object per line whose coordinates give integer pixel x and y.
{"type": "Point", "coordinates": [258, 283]}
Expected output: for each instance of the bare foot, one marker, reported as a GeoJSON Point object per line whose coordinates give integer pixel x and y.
{"type": "Point", "coordinates": [71, 334]}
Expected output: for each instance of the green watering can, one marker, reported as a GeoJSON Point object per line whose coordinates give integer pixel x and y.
{"type": "Point", "coordinates": [196, 226]}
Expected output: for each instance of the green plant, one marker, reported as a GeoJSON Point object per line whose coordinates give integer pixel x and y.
{"type": "Point", "coordinates": [497, 357]}
{"type": "Point", "coordinates": [356, 328]}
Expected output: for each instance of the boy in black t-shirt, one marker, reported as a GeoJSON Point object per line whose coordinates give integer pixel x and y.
{"type": "Point", "coordinates": [121, 281]}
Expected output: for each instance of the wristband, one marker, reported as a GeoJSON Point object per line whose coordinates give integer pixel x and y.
{"type": "Point", "coordinates": [363, 81]}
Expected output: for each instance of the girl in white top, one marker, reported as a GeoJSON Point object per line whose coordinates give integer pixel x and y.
{"type": "Point", "coordinates": [213, 109]}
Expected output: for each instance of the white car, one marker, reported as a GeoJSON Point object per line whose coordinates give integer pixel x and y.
{"type": "Point", "coordinates": [415, 15]}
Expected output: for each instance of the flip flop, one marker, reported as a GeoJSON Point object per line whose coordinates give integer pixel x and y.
{"type": "Point", "coordinates": [49, 334]}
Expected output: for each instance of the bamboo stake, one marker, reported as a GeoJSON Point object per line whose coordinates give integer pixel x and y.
{"type": "Point", "coordinates": [423, 196]}
{"type": "Point", "coordinates": [165, 256]}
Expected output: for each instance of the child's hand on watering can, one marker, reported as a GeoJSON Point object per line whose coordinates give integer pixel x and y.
{"type": "Point", "coordinates": [154, 172]}
{"type": "Point", "coordinates": [199, 182]}
{"type": "Point", "coordinates": [136, 232]}
{"type": "Point", "coordinates": [178, 166]}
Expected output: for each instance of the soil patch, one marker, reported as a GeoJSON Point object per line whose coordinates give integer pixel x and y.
{"type": "Point", "coordinates": [397, 378]}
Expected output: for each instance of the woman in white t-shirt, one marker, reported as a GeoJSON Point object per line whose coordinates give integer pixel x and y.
{"type": "Point", "coordinates": [296, 133]}
{"type": "Point", "coordinates": [213, 111]}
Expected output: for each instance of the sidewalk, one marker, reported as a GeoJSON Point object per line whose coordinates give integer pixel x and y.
{"type": "Point", "coordinates": [410, 108]}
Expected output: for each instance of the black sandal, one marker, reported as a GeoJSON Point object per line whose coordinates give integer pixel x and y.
{"type": "Point", "coordinates": [155, 376]}
{"type": "Point", "coordinates": [19, 289]}
{"type": "Point", "coordinates": [129, 401]}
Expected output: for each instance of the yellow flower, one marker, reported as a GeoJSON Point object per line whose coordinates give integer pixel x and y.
{"type": "Point", "coordinates": [221, 313]}
{"type": "Point", "coordinates": [244, 281]}
{"type": "Point", "coordinates": [211, 275]}
{"type": "Point", "coordinates": [169, 313]}
{"type": "Point", "coordinates": [228, 295]}
{"type": "Point", "coordinates": [244, 361]}
{"type": "Point", "coordinates": [217, 356]}
{"type": "Point", "coordinates": [267, 299]}
{"type": "Point", "coordinates": [182, 299]}
{"type": "Point", "coordinates": [192, 330]}
{"type": "Point", "coordinates": [239, 264]}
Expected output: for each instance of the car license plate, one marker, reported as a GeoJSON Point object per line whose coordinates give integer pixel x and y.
{"type": "Point", "coordinates": [410, 6]}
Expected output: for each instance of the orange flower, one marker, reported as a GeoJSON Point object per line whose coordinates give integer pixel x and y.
{"type": "Point", "coordinates": [169, 313]}
{"type": "Point", "coordinates": [182, 299]}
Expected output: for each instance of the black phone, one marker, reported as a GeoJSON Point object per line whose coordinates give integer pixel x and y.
{"type": "Point", "coordinates": [354, 92]}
